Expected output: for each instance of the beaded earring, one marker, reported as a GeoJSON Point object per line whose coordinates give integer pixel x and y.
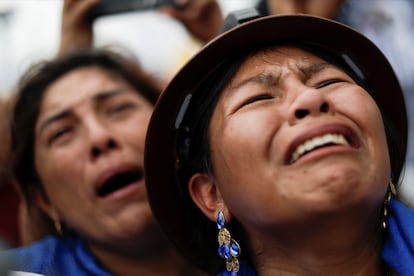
{"type": "Point", "coordinates": [228, 248]}
{"type": "Point", "coordinates": [390, 193]}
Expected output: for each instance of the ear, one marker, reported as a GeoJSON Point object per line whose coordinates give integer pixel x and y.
{"type": "Point", "coordinates": [41, 200]}
{"type": "Point", "coordinates": [205, 195]}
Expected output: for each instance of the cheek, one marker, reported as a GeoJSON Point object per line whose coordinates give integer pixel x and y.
{"type": "Point", "coordinates": [59, 166]}
{"type": "Point", "coordinates": [361, 108]}
{"type": "Point", "coordinates": [134, 131]}
{"type": "Point", "coordinates": [249, 135]}
{"type": "Point", "coordinates": [242, 150]}
{"type": "Point", "coordinates": [232, 145]}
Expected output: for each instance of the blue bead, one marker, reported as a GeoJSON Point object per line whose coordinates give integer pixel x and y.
{"type": "Point", "coordinates": [234, 248]}
{"type": "Point", "coordinates": [224, 252]}
{"type": "Point", "coordinates": [220, 220]}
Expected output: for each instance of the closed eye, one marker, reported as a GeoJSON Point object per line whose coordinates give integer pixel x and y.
{"type": "Point", "coordinates": [120, 108]}
{"type": "Point", "coordinates": [256, 99]}
{"type": "Point", "coordinates": [59, 134]}
{"type": "Point", "coordinates": [328, 82]}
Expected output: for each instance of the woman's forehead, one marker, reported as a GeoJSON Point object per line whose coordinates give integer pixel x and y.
{"type": "Point", "coordinates": [268, 64]}
{"type": "Point", "coordinates": [280, 55]}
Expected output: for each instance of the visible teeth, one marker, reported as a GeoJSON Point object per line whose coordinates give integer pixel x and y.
{"type": "Point", "coordinates": [316, 142]}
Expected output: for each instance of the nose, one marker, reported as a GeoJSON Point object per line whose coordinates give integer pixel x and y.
{"type": "Point", "coordinates": [102, 140]}
{"type": "Point", "coordinates": [311, 102]}
{"type": "Point", "coordinates": [102, 148]}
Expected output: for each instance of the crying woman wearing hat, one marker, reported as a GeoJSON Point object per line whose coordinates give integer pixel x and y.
{"type": "Point", "coordinates": [284, 139]}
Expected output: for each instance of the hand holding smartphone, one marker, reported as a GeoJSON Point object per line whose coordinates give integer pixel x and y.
{"type": "Point", "coordinates": [108, 7]}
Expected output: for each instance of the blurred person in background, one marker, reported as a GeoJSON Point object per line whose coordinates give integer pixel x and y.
{"type": "Point", "coordinates": [18, 226]}
{"type": "Point", "coordinates": [201, 18]}
{"type": "Point", "coordinates": [77, 34]}
{"type": "Point", "coordinates": [78, 129]}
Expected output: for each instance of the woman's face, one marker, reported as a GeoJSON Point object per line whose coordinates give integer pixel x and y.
{"type": "Point", "coordinates": [89, 146]}
{"type": "Point", "coordinates": [294, 137]}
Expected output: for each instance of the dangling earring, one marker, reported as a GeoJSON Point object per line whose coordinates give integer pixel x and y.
{"type": "Point", "coordinates": [56, 222]}
{"type": "Point", "coordinates": [58, 227]}
{"type": "Point", "coordinates": [228, 248]}
{"type": "Point", "coordinates": [390, 193]}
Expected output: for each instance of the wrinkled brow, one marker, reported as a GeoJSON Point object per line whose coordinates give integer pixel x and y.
{"type": "Point", "coordinates": [264, 79]}
{"type": "Point", "coordinates": [270, 78]}
{"type": "Point", "coordinates": [311, 69]}
{"type": "Point", "coordinates": [99, 97]}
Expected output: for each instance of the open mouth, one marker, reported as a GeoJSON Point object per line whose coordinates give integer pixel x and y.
{"type": "Point", "coordinates": [325, 140]}
{"type": "Point", "coordinates": [118, 182]}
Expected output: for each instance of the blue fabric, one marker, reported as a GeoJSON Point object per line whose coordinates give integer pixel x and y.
{"type": "Point", "coordinates": [398, 251]}
{"type": "Point", "coordinates": [54, 256]}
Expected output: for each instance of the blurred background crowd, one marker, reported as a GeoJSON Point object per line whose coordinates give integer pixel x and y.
{"type": "Point", "coordinates": [30, 31]}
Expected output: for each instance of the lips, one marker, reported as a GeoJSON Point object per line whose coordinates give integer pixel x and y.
{"type": "Point", "coordinates": [118, 179]}
{"type": "Point", "coordinates": [321, 137]}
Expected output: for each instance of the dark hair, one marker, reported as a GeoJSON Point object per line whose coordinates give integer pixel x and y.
{"type": "Point", "coordinates": [30, 92]}
{"type": "Point", "coordinates": [5, 142]}
{"type": "Point", "coordinates": [193, 145]}
{"type": "Point", "coordinates": [193, 148]}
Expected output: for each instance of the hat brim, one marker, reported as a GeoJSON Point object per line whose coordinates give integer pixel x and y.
{"type": "Point", "coordinates": [161, 158]}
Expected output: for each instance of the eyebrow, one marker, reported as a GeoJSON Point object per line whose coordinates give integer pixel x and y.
{"type": "Point", "coordinates": [265, 79]}
{"type": "Point", "coordinates": [104, 95]}
{"type": "Point", "coordinates": [311, 69]}
{"type": "Point", "coordinates": [100, 97]}
{"type": "Point", "coordinates": [272, 78]}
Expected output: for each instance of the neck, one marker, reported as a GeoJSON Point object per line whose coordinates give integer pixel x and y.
{"type": "Point", "coordinates": [327, 246]}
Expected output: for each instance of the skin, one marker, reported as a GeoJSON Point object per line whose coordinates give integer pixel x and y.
{"type": "Point", "coordinates": [318, 215]}
{"type": "Point", "coordinates": [202, 18]}
{"type": "Point", "coordinates": [76, 29]}
{"type": "Point", "coordinates": [92, 125]}
{"type": "Point", "coordinates": [323, 8]}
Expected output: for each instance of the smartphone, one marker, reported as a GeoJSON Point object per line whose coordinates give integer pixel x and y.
{"type": "Point", "coordinates": [109, 7]}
